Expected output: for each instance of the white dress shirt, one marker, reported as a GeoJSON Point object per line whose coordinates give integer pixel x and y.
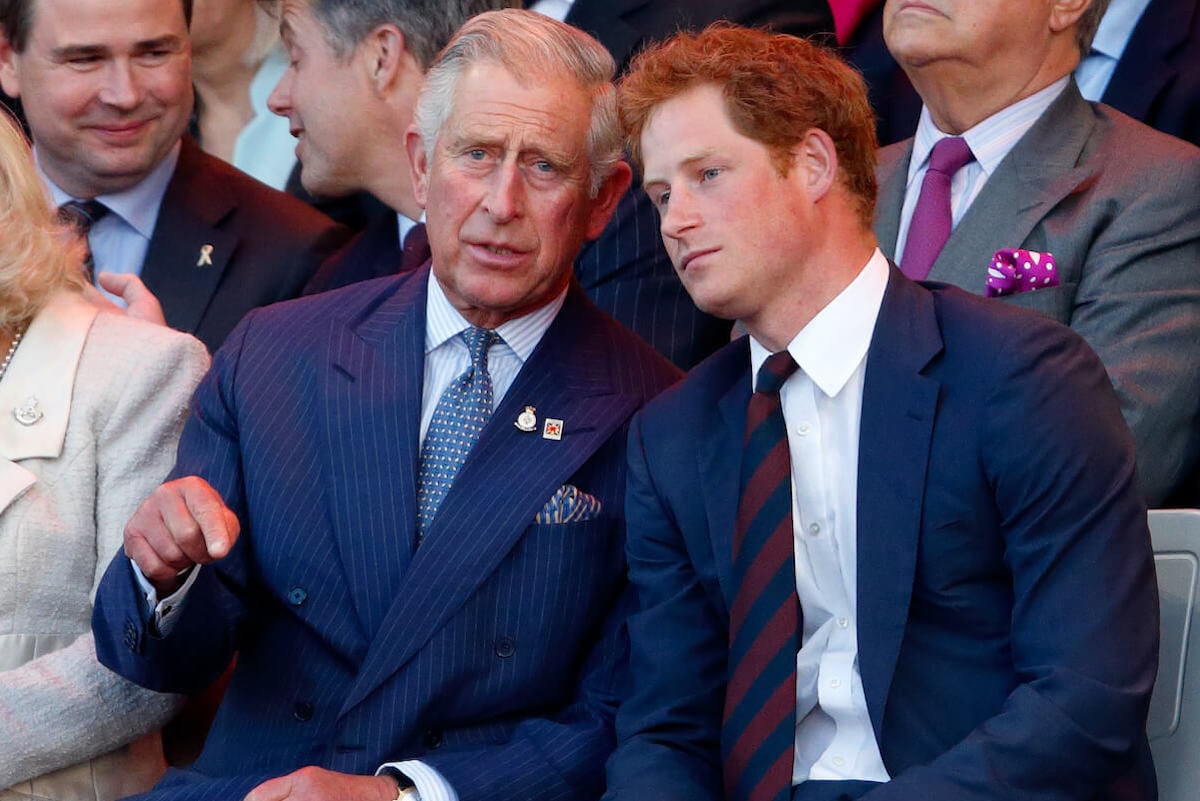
{"type": "Point", "coordinates": [446, 357]}
{"type": "Point", "coordinates": [990, 141]}
{"type": "Point", "coordinates": [822, 404]}
{"type": "Point", "coordinates": [119, 239]}
{"type": "Point", "coordinates": [1116, 27]}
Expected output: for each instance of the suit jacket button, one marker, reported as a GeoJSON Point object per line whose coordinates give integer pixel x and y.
{"type": "Point", "coordinates": [130, 637]}
{"type": "Point", "coordinates": [505, 647]}
{"type": "Point", "coordinates": [432, 739]}
{"type": "Point", "coordinates": [297, 596]}
{"type": "Point", "coordinates": [303, 711]}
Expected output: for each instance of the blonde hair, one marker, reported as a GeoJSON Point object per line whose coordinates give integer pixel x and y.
{"type": "Point", "coordinates": [38, 254]}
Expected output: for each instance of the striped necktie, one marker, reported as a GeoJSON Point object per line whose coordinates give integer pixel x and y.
{"type": "Point", "coordinates": [759, 729]}
{"type": "Point", "coordinates": [82, 215]}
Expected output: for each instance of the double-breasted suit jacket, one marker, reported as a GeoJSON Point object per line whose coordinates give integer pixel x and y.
{"type": "Point", "coordinates": [491, 652]}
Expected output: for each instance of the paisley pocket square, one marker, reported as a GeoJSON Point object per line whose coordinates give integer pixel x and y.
{"type": "Point", "coordinates": [569, 505]}
{"type": "Point", "coordinates": [1013, 270]}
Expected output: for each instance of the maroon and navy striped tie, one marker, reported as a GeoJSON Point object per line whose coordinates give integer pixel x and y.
{"type": "Point", "coordinates": [759, 729]}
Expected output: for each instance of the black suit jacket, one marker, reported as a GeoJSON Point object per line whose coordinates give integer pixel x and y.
{"type": "Point", "coordinates": [626, 270]}
{"type": "Point", "coordinates": [263, 246]}
{"type": "Point", "coordinates": [373, 253]}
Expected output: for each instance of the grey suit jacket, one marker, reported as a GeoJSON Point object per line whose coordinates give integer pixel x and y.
{"type": "Point", "coordinates": [1117, 205]}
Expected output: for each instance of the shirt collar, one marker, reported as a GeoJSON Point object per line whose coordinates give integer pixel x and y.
{"type": "Point", "coordinates": [993, 138]}
{"type": "Point", "coordinates": [833, 344]}
{"type": "Point", "coordinates": [1116, 27]}
{"type": "Point", "coordinates": [137, 205]}
{"type": "Point", "coordinates": [443, 322]}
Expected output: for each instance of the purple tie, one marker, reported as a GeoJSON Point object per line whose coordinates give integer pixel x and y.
{"type": "Point", "coordinates": [930, 226]}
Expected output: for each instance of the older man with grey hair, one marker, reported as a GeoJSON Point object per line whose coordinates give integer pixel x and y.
{"type": "Point", "coordinates": [354, 74]}
{"type": "Point", "coordinates": [1016, 187]}
{"type": "Point", "coordinates": [401, 502]}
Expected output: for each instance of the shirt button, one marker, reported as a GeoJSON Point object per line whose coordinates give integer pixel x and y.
{"type": "Point", "coordinates": [803, 429]}
{"type": "Point", "coordinates": [835, 683]}
{"type": "Point", "coordinates": [838, 761]}
{"type": "Point", "coordinates": [844, 622]}
{"type": "Point", "coordinates": [814, 529]}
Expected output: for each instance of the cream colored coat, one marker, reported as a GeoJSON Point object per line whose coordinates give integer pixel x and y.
{"type": "Point", "coordinates": [112, 394]}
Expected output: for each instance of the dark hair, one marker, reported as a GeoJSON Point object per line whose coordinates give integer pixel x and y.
{"type": "Point", "coordinates": [776, 88]}
{"type": "Point", "coordinates": [16, 18]}
{"type": "Point", "coordinates": [427, 25]}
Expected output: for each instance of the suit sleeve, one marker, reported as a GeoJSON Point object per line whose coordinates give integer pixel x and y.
{"type": "Point", "coordinates": [204, 631]}
{"type": "Point", "coordinates": [669, 727]}
{"type": "Point", "coordinates": [1084, 631]}
{"type": "Point", "coordinates": [1138, 306]}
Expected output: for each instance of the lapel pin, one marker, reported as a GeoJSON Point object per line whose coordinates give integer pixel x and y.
{"type": "Point", "coordinates": [28, 412]}
{"type": "Point", "coordinates": [553, 429]}
{"type": "Point", "coordinates": [205, 259]}
{"type": "Point", "coordinates": [527, 420]}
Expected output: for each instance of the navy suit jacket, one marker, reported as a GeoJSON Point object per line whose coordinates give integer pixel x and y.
{"type": "Point", "coordinates": [1157, 79]}
{"type": "Point", "coordinates": [263, 246]}
{"type": "Point", "coordinates": [374, 252]}
{"type": "Point", "coordinates": [492, 652]}
{"type": "Point", "coordinates": [1006, 601]}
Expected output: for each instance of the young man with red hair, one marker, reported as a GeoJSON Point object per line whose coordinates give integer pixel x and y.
{"type": "Point", "coordinates": [904, 555]}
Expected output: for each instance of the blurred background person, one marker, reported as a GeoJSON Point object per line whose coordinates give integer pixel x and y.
{"type": "Point", "coordinates": [91, 404]}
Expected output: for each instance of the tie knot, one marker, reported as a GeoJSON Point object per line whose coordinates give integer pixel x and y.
{"type": "Point", "coordinates": [82, 214]}
{"type": "Point", "coordinates": [478, 341]}
{"type": "Point", "coordinates": [950, 155]}
{"type": "Point", "coordinates": [775, 370]}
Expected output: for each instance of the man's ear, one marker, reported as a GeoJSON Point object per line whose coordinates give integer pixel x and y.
{"type": "Point", "coordinates": [385, 57]}
{"type": "Point", "coordinates": [418, 160]}
{"type": "Point", "coordinates": [605, 202]}
{"type": "Point", "coordinates": [815, 163]}
{"type": "Point", "coordinates": [1065, 14]}
{"type": "Point", "coordinates": [8, 68]}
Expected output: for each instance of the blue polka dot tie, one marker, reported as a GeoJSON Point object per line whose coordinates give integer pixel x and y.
{"type": "Point", "coordinates": [461, 414]}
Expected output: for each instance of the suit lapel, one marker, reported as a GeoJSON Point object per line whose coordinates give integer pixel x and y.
{"type": "Point", "coordinates": [188, 252]}
{"type": "Point", "coordinates": [892, 176]}
{"type": "Point", "coordinates": [1033, 179]}
{"type": "Point", "coordinates": [719, 458]}
{"type": "Point", "coordinates": [490, 506]}
{"type": "Point", "coordinates": [1145, 68]}
{"type": "Point", "coordinates": [898, 412]}
{"type": "Point", "coordinates": [372, 397]}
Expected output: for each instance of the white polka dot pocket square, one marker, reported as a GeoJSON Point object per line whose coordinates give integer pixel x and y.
{"type": "Point", "coordinates": [569, 505]}
{"type": "Point", "coordinates": [1014, 270]}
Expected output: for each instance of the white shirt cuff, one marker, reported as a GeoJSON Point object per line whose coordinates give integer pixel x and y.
{"type": "Point", "coordinates": [163, 610]}
{"type": "Point", "coordinates": [431, 785]}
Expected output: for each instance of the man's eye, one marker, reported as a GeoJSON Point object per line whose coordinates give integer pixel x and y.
{"type": "Point", "coordinates": [709, 173]}
{"type": "Point", "coordinates": [83, 61]}
{"type": "Point", "coordinates": [543, 166]}
{"type": "Point", "coordinates": [661, 199]}
{"type": "Point", "coordinates": [476, 154]}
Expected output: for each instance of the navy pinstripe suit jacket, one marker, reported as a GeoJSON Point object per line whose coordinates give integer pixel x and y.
{"type": "Point", "coordinates": [493, 652]}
